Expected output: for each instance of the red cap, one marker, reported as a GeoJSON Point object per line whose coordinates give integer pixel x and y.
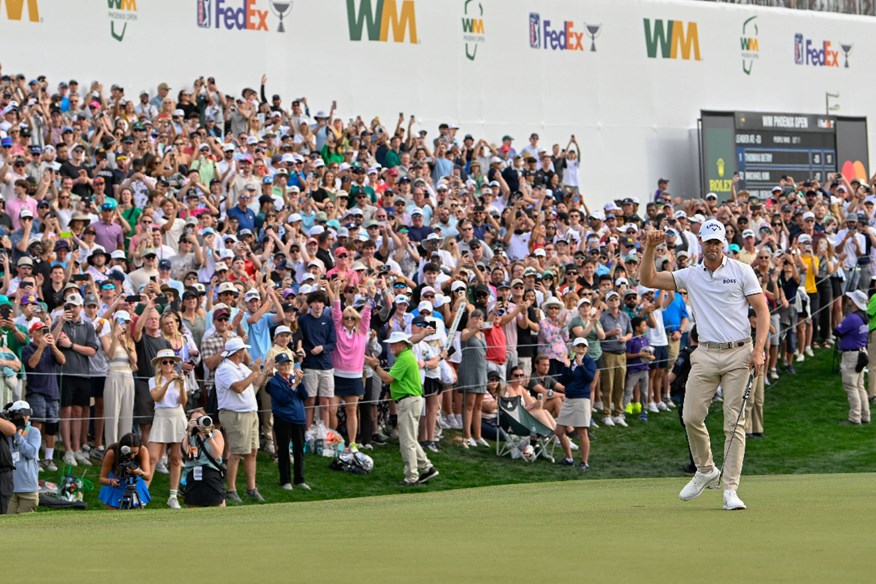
{"type": "Point", "coordinates": [37, 325]}
{"type": "Point", "coordinates": [341, 250]}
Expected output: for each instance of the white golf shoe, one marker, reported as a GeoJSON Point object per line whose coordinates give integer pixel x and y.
{"type": "Point", "coordinates": [732, 502]}
{"type": "Point", "coordinates": [699, 483]}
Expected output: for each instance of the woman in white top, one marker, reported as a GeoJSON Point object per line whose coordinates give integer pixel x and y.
{"type": "Point", "coordinates": [169, 425]}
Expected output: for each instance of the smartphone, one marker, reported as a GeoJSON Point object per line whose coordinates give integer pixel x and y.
{"type": "Point", "coordinates": [153, 279]}
{"type": "Point", "coordinates": [80, 277]}
{"type": "Point", "coordinates": [133, 298]}
{"type": "Point", "coordinates": [161, 299]}
{"type": "Point", "coordinates": [65, 234]}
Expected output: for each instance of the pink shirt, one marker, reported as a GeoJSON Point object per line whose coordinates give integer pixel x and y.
{"type": "Point", "coordinates": [348, 357]}
{"type": "Point", "coordinates": [14, 207]}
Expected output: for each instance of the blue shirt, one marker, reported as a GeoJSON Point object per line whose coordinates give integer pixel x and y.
{"type": "Point", "coordinates": [25, 477]}
{"type": "Point", "coordinates": [316, 332]}
{"type": "Point", "coordinates": [287, 402]}
{"type": "Point", "coordinates": [852, 332]}
{"type": "Point", "coordinates": [260, 336]}
{"type": "Point", "coordinates": [674, 313]}
{"type": "Point", "coordinates": [245, 218]}
{"type": "Point", "coordinates": [577, 378]}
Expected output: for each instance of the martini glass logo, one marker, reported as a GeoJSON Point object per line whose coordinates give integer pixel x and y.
{"type": "Point", "coordinates": [846, 50]}
{"type": "Point", "coordinates": [281, 9]}
{"type": "Point", "coordinates": [592, 31]}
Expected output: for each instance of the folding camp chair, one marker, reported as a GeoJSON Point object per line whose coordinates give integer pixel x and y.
{"type": "Point", "coordinates": [519, 424]}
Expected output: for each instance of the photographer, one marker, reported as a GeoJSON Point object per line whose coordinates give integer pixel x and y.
{"type": "Point", "coordinates": [25, 454]}
{"type": "Point", "coordinates": [202, 452]}
{"type": "Point", "coordinates": [126, 462]}
{"type": "Point", "coordinates": [7, 431]}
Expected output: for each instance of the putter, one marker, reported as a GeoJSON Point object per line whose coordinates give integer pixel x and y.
{"type": "Point", "coordinates": [745, 395]}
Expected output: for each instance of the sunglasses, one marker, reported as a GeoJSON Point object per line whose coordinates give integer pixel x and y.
{"type": "Point", "coordinates": [167, 362]}
{"type": "Point", "coordinates": [349, 318]}
{"type": "Point", "coordinates": [222, 319]}
{"type": "Point", "coordinates": [518, 376]}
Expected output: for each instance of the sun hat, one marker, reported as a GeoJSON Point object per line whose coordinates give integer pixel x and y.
{"type": "Point", "coordinates": [164, 354]}
{"type": "Point", "coordinates": [398, 337]}
{"type": "Point", "coordinates": [233, 345]}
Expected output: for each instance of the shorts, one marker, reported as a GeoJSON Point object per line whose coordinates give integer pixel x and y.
{"type": "Point", "coordinates": [319, 382]}
{"type": "Point", "coordinates": [661, 358]}
{"type": "Point", "coordinates": [776, 322]}
{"type": "Point", "coordinates": [44, 409]}
{"type": "Point", "coordinates": [349, 386]}
{"type": "Point", "coordinates": [144, 405]}
{"type": "Point", "coordinates": [75, 391]}
{"type": "Point", "coordinates": [575, 412]}
{"type": "Point", "coordinates": [97, 385]}
{"type": "Point", "coordinates": [432, 386]}
{"type": "Point", "coordinates": [241, 431]}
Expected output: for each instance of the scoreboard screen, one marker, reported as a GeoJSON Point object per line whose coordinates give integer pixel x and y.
{"type": "Point", "coordinates": [761, 148]}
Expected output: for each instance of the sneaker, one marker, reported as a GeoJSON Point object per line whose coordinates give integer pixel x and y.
{"type": "Point", "coordinates": [270, 448]}
{"type": "Point", "coordinates": [573, 446]}
{"type": "Point", "coordinates": [97, 453]}
{"type": "Point", "coordinates": [457, 421]}
{"type": "Point", "coordinates": [432, 447]}
{"type": "Point", "coordinates": [799, 358]}
{"type": "Point", "coordinates": [732, 502]}
{"type": "Point", "coordinates": [791, 369]}
{"type": "Point", "coordinates": [303, 486]}
{"type": "Point", "coordinates": [699, 483]}
{"type": "Point", "coordinates": [598, 406]}
{"type": "Point", "coordinates": [233, 498]}
{"type": "Point", "coordinates": [354, 447]}
{"type": "Point", "coordinates": [637, 409]}
{"type": "Point", "coordinates": [619, 421]}
{"type": "Point", "coordinates": [566, 462]}
{"type": "Point", "coordinates": [662, 406]}
{"type": "Point", "coordinates": [366, 447]}
{"type": "Point", "coordinates": [482, 442]}
{"type": "Point", "coordinates": [643, 416]}
{"type": "Point", "coordinates": [443, 423]}
{"type": "Point", "coordinates": [408, 484]}
{"type": "Point", "coordinates": [173, 503]}
{"type": "Point", "coordinates": [607, 421]}
{"type": "Point", "coordinates": [809, 352]}
{"type": "Point", "coordinates": [50, 465]}
{"type": "Point", "coordinates": [583, 467]}
{"type": "Point", "coordinates": [593, 424]}
{"type": "Point", "coordinates": [630, 409]}
{"type": "Point", "coordinates": [766, 381]}
{"type": "Point", "coordinates": [652, 407]}
{"type": "Point", "coordinates": [82, 457]}
{"type": "Point", "coordinates": [427, 475]}
{"type": "Point", "coordinates": [287, 487]}
{"type": "Point", "coordinates": [70, 459]}
{"type": "Point", "coordinates": [470, 443]}
{"type": "Point", "coordinates": [254, 493]}
{"type": "Point", "coordinates": [378, 440]}
{"type": "Point", "coordinates": [669, 403]}
{"type": "Point", "coordinates": [161, 467]}
{"type": "Point", "coordinates": [774, 374]}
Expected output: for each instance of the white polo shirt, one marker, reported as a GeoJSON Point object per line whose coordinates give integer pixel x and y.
{"type": "Point", "coordinates": [719, 299]}
{"type": "Point", "coordinates": [228, 399]}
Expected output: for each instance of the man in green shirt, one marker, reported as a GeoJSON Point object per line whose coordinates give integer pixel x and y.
{"type": "Point", "coordinates": [406, 390]}
{"type": "Point", "coordinates": [871, 347]}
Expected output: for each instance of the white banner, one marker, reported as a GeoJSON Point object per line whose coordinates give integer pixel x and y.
{"type": "Point", "coordinates": [628, 78]}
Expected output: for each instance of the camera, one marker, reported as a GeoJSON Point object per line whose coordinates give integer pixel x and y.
{"type": "Point", "coordinates": [15, 418]}
{"type": "Point", "coordinates": [5, 311]}
{"type": "Point", "coordinates": [202, 424]}
{"type": "Point", "coordinates": [127, 464]}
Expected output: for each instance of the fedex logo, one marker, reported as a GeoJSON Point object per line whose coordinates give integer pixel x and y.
{"type": "Point", "coordinates": [244, 17]}
{"type": "Point", "coordinates": [817, 54]}
{"type": "Point", "coordinates": [556, 38]}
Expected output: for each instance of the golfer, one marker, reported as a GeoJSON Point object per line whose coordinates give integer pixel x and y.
{"type": "Point", "coordinates": [721, 290]}
{"type": "Point", "coordinates": [407, 392]}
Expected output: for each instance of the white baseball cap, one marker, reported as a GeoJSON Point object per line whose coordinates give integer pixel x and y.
{"type": "Point", "coordinates": [713, 229]}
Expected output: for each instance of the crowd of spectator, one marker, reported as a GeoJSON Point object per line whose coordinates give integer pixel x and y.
{"type": "Point", "coordinates": [192, 248]}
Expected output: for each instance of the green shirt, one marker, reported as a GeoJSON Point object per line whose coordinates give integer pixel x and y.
{"type": "Point", "coordinates": [405, 375]}
{"type": "Point", "coordinates": [871, 312]}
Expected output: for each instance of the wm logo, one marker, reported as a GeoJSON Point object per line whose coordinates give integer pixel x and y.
{"type": "Point", "coordinates": [473, 25]}
{"type": "Point", "coordinates": [381, 16]}
{"type": "Point", "coordinates": [15, 8]}
{"type": "Point", "coordinates": [749, 44]}
{"type": "Point", "coordinates": [130, 5]}
{"type": "Point", "coordinates": [671, 40]}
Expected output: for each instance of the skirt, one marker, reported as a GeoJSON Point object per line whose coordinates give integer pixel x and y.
{"type": "Point", "coordinates": [207, 492]}
{"type": "Point", "coordinates": [349, 386]}
{"type": "Point", "coordinates": [112, 496]}
{"type": "Point", "coordinates": [575, 412]}
{"type": "Point", "coordinates": [168, 425]}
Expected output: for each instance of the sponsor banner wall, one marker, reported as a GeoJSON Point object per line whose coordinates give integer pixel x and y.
{"type": "Point", "coordinates": [628, 78]}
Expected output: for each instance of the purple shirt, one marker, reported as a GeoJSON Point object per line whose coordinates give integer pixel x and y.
{"type": "Point", "coordinates": [852, 332]}
{"type": "Point", "coordinates": [636, 345]}
{"type": "Point", "coordinates": [109, 235]}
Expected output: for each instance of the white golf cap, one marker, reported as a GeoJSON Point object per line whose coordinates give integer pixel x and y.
{"type": "Point", "coordinates": [402, 299]}
{"type": "Point", "coordinates": [859, 297]}
{"type": "Point", "coordinates": [252, 294]}
{"type": "Point", "coordinates": [282, 329]}
{"type": "Point", "coordinates": [398, 337]}
{"type": "Point", "coordinates": [580, 341]}
{"type": "Point", "coordinates": [233, 345]}
{"type": "Point", "coordinates": [713, 229]}
{"type": "Point", "coordinates": [425, 305]}
{"type": "Point", "coordinates": [808, 215]}
{"type": "Point", "coordinates": [748, 233]}
{"type": "Point", "coordinates": [457, 285]}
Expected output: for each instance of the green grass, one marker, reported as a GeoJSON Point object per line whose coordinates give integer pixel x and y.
{"type": "Point", "coordinates": [798, 528]}
{"type": "Point", "coordinates": [802, 436]}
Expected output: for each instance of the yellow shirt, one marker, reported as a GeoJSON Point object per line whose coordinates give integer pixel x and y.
{"type": "Point", "coordinates": [811, 263]}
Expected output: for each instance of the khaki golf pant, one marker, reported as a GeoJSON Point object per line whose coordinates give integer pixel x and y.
{"type": "Point", "coordinates": [408, 426]}
{"type": "Point", "coordinates": [614, 373]}
{"type": "Point", "coordinates": [754, 406]}
{"type": "Point", "coordinates": [709, 369]}
{"type": "Point", "coordinates": [853, 384]}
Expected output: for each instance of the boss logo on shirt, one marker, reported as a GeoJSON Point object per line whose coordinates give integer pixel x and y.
{"type": "Point", "coordinates": [730, 280]}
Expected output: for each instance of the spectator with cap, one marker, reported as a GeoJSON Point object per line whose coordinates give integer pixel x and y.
{"type": "Point", "coordinates": [25, 456]}
{"type": "Point", "coordinates": [236, 386]}
{"type": "Point", "coordinates": [618, 331]}
{"type": "Point", "coordinates": [287, 396]}
{"type": "Point", "coordinates": [852, 334]}
{"type": "Point", "coordinates": [108, 232]}
{"type": "Point", "coordinates": [577, 379]}
{"type": "Point", "coordinates": [43, 359]}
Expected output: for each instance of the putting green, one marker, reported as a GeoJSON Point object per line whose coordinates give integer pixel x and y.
{"type": "Point", "coordinates": [797, 528]}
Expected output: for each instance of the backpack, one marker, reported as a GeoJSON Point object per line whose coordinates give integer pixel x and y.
{"type": "Point", "coordinates": [354, 462]}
